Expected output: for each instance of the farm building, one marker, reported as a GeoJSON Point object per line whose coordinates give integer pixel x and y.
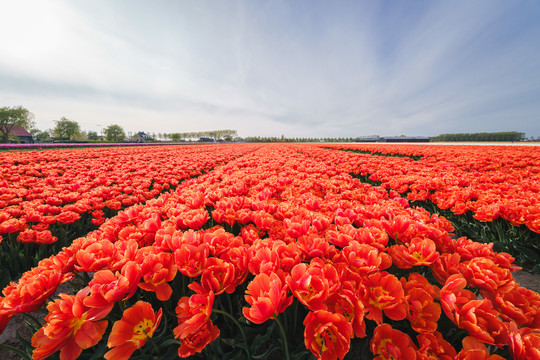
{"type": "Point", "coordinates": [20, 135]}
{"type": "Point", "coordinates": [403, 139]}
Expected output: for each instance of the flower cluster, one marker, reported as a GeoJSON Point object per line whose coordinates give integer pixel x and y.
{"type": "Point", "coordinates": [38, 189]}
{"type": "Point", "coordinates": [59, 195]}
{"type": "Point", "coordinates": [489, 181]}
{"type": "Point", "coordinates": [276, 227]}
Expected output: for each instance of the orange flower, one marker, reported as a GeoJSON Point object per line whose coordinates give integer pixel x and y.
{"type": "Point", "coordinates": [157, 270]}
{"type": "Point", "coordinates": [267, 295]}
{"type": "Point", "coordinates": [311, 284]}
{"type": "Point", "coordinates": [29, 294]}
{"type": "Point", "coordinates": [149, 227]}
{"type": "Point", "coordinates": [320, 222]}
{"type": "Point", "coordinates": [454, 296]}
{"type": "Point", "coordinates": [126, 251]}
{"type": "Point", "coordinates": [312, 246]}
{"type": "Point", "coordinates": [469, 250]}
{"type": "Point", "coordinates": [397, 228]}
{"type": "Point", "coordinates": [445, 266]}
{"type": "Point", "coordinates": [289, 255]}
{"type": "Point", "coordinates": [138, 323]}
{"type": "Point", "coordinates": [418, 281]}
{"type": "Point", "coordinates": [195, 342]}
{"type": "Point", "coordinates": [365, 259]}
{"type": "Point", "coordinates": [167, 238]}
{"type": "Point", "coordinates": [383, 292]}
{"type": "Point", "coordinates": [219, 240]}
{"type": "Point", "coordinates": [524, 343]}
{"type": "Point", "coordinates": [107, 288]}
{"type": "Point", "coordinates": [419, 251]}
{"type": "Point", "coordinates": [262, 258]}
{"type": "Point", "coordinates": [520, 305]}
{"type": "Point", "coordinates": [371, 235]}
{"type": "Point", "coordinates": [12, 226]}
{"type": "Point", "coordinates": [423, 312]}
{"type": "Point", "coordinates": [192, 219]}
{"type": "Point", "coordinates": [327, 335]}
{"type": "Point", "coordinates": [478, 317]}
{"type": "Point", "coordinates": [391, 344]}
{"type": "Point", "coordinates": [434, 347]}
{"type": "Point", "coordinates": [346, 302]}
{"type": "Point", "coordinates": [190, 259]}
{"type": "Point", "coordinates": [296, 226]}
{"type": "Point", "coordinates": [482, 321]}
{"type": "Point", "coordinates": [227, 216]}
{"type": "Point", "coordinates": [94, 256]}
{"type": "Point", "coordinates": [36, 236]}
{"type": "Point", "coordinates": [337, 238]}
{"type": "Point", "coordinates": [485, 274]}
{"type": "Point", "coordinates": [475, 350]}
{"type": "Point", "coordinates": [67, 217]}
{"type": "Point", "coordinates": [34, 287]}
{"type": "Point", "coordinates": [263, 220]}
{"type": "Point", "coordinates": [70, 327]}
{"type": "Point", "coordinates": [221, 276]}
{"type": "Point", "coordinates": [193, 312]}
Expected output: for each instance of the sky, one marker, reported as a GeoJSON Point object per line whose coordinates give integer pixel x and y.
{"type": "Point", "coordinates": [275, 67]}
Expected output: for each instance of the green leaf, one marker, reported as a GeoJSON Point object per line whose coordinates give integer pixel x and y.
{"type": "Point", "coordinates": [529, 253]}
{"type": "Point", "coordinates": [270, 350]}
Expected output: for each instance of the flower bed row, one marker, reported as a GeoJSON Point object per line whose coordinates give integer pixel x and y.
{"type": "Point", "coordinates": [63, 194]}
{"type": "Point", "coordinates": [490, 181]}
{"type": "Point", "coordinates": [268, 244]}
{"type": "Point", "coordinates": [489, 193]}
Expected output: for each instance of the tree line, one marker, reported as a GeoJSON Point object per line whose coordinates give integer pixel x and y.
{"type": "Point", "coordinates": [70, 130]}
{"type": "Point", "coordinates": [66, 130]}
{"type": "Point", "coordinates": [226, 134]}
{"type": "Point", "coordinates": [483, 136]}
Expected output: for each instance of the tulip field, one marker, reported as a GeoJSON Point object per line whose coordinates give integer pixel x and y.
{"type": "Point", "coordinates": [271, 251]}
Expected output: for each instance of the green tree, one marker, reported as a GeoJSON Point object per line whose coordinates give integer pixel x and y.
{"type": "Point", "coordinates": [92, 135]}
{"type": "Point", "coordinates": [14, 116]}
{"type": "Point", "coordinates": [114, 133]}
{"type": "Point", "coordinates": [66, 129]}
{"type": "Point", "coordinates": [42, 136]}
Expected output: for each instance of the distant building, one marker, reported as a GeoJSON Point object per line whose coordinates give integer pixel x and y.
{"type": "Point", "coordinates": [20, 134]}
{"type": "Point", "coordinates": [206, 139]}
{"type": "Point", "coordinates": [368, 139]}
{"type": "Point", "coordinates": [403, 139]}
{"type": "Point", "coordinates": [141, 136]}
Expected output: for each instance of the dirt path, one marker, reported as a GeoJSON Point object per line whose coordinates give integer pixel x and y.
{"type": "Point", "coordinates": [528, 280]}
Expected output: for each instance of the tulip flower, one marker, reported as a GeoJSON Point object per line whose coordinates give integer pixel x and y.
{"type": "Point", "coordinates": [327, 335]}
{"type": "Point", "coordinates": [267, 297]}
{"type": "Point", "coordinates": [130, 333]}
{"type": "Point", "coordinates": [70, 327]}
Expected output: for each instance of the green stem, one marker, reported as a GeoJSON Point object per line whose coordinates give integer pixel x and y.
{"type": "Point", "coordinates": [217, 311]}
{"type": "Point", "coordinates": [229, 302]}
{"type": "Point", "coordinates": [284, 337]}
{"type": "Point", "coordinates": [36, 322]}
{"type": "Point", "coordinates": [22, 354]}
{"type": "Point", "coordinates": [122, 305]}
{"type": "Point", "coordinates": [156, 350]}
{"type": "Point", "coordinates": [295, 313]}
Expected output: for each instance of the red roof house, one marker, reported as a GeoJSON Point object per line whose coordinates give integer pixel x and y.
{"type": "Point", "coordinates": [21, 134]}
